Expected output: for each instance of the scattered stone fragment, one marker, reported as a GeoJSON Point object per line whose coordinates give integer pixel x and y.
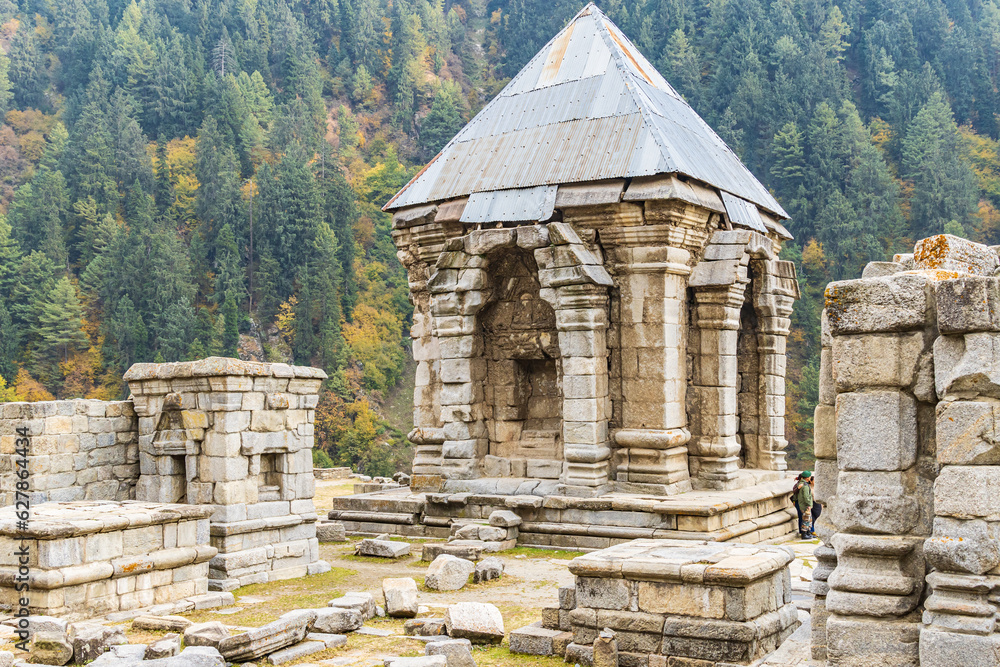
{"type": "Point", "coordinates": [534, 640]}
{"type": "Point", "coordinates": [382, 548]}
{"type": "Point", "coordinates": [336, 620]}
{"type": "Point", "coordinates": [424, 661]}
{"type": "Point", "coordinates": [209, 633]}
{"type": "Point", "coordinates": [467, 549]}
{"type": "Point", "coordinates": [191, 656]}
{"type": "Point", "coordinates": [567, 597]}
{"type": "Point", "coordinates": [363, 603]}
{"type": "Point", "coordinates": [164, 648]}
{"type": "Point", "coordinates": [448, 573]}
{"type": "Point", "coordinates": [458, 652]}
{"type": "Point", "coordinates": [424, 627]}
{"type": "Point", "coordinates": [90, 640]}
{"type": "Point", "coordinates": [479, 622]}
{"type": "Point", "coordinates": [467, 532]}
{"type": "Point", "coordinates": [168, 623]}
{"type": "Point", "coordinates": [50, 648]}
{"type": "Point", "coordinates": [488, 569]}
{"type": "Point", "coordinates": [331, 531]}
{"type": "Point", "coordinates": [296, 651]}
{"type": "Point", "coordinates": [606, 649]}
{"type": "Point", "coordinates": [44, 624]}
{"type": "Point", "coordinates": [400, 597]}
{"type": "Point", "coordinates": [401, 478]}
{"type": "Point", "coordinates": [329, 640]}
{"type": "Point", "coordinates": [504, 519]}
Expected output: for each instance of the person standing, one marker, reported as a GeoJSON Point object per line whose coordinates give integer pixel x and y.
{"type": "Point", "coordinates": [802, 497]}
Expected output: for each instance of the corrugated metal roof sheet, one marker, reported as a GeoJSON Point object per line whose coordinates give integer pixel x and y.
{"type": "Point", "coordinates": [535, 204]}
{"type": "Point", "coordinates": [743, 213]}
{"type": "Point", "coordinates": [587, 107]}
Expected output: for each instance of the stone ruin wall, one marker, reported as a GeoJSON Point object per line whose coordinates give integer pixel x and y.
{"type": "Point", "coordinates": [908, 463]}
{"type": "Point", "coordinates": [80, 450]}
{"type": "Point", "coordinates": [231, 435]}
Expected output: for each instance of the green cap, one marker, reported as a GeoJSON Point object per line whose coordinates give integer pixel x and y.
{"type": "Point", "coordinates": [807, 474]}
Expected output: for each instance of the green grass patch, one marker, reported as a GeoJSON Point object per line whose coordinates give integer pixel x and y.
{"type": "Point", "coordinates": [533, 552]}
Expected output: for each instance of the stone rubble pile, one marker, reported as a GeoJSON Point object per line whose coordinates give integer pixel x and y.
{"type": "Point", "coordinates": [906, 437]}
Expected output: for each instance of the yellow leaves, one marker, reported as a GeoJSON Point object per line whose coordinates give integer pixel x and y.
{"type": "Point", "coordinates": [7, 394]}
{"type": "Point", "coordinates": [982, 154]}
{"type": "Point", "coordinates": [31, 127]}
{"type": "Point", "coordinates": [364, 232]}
{"type": "Point", "coordinates": [285, 320]}
{"type": "Point", "coordinates": [180, 165]}
{"type": "Point", "coordinates": [28, 388]}
{"type": "Point", "coordinates": [374, 339]}
{"type": "Point", "coordinates": [813, 258]}
{"type": "Point", "coordinates": [881, 133]}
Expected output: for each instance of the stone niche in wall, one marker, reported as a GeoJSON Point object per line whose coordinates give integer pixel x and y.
{"type": "Point", "coordinates": [523, 395]}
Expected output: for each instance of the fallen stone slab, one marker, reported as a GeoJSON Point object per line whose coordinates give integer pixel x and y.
{"type": "Point", "coordinates": [252, 645]}
{"type": "Point", "coordinates": [91, 640]}
{"type": "Point", "coordinates": [168, 623]}
{"type": "Point", "coordinates": [458, 652]}
{"type": "Point", "coordinates": [166, 647]}
{"type": "Point", "coordinates": [382, 548]}
{"type": "Point", "coordinates": [49, 647]}
{"type": "Point", "coordinates": [448, 573]}
{"type": "Point", "coordinates": [400, 597]}
{"type": "Point", "coordinates": [504, 519]}
{"type": "Point", "coordinates": [40, 623]}
{"type": "Point", "coordinates": [467, 549]}
{"type": "Point", "coordinates": [363, 603]}
{"type": "Point", "coordinates": [296, 651]}
{"type": "Point", "coordinates": [479, 622]}
{"type": "Point", "coordinates": [488, 569]}
{"type": "Point", "coordinates": [336, 620]}
{"type": "Point", "coordinates": [329, 640]}
{"type": "Point", "coordinates": [192, 656]}
{"type": "Point", "coordinates": [424, 661]}
{"type": "Point", "coordinates": [209, 633]}
{"type": "Point", "coordinates": [374, 632]}
{"type": "Point", "coordinates": [535, 640]}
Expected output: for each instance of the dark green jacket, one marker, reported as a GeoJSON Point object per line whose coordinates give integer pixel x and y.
{"type": "Point", "coordinates": [804, 496]}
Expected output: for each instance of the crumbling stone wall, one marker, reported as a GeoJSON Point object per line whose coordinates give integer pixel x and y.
{"type": "Point", "coordinates": [79, 450]}
{"type": "Point", "coordinates": [906, 447]}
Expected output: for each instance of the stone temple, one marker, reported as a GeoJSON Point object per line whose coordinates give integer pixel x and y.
{"type": "Point", "coordinates": [600, 315]}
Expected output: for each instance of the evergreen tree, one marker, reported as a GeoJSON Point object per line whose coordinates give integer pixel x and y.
{"type": "Point", "coordinates": [10, 344]}
{"type": "Point", "coordinates": [38, 215]}
{"type": "Point", "coordinates": [441, 124]}
{"type": "Point", "coordinates": [943, 185]}
{"type": "Point", "coordinates": [60, 324]}
{"type": "Point", "coordinates": [6, 96]}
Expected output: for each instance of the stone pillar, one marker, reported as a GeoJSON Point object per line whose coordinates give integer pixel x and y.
{"type": "Point", "coordinates": [237, 436]}
{"type": "Point", "coordinates": [775, 289]}
{"type": "Point", "coordinates": [960, 614]}
{"type": "Point", "coordinates": [712, 399]}
{"type": "Point", "coordinates": [456, 289]}
{"type": "Point", "coordinates": [878, 328]}
{"type": "Point", "coordinates": [575, 283]}
{"type": "Point", "coordinates": [652, 455]}
{"type": "Point", "coordinates": [825, 492]}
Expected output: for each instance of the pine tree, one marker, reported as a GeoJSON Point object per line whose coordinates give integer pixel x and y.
{"type": "Point", "coordinates": [441, 123]}
{"type": "Point", "coordinates": [60, 323]}
{"type": "Point", "coordinates": [231, 336]}
{"type": "Point", "coordinates": [38, 215]}
{"type": "Point", "coordinates": [943, 183]}
{"type": "Point", "coordinates": [10, 344]}
{"type": "Point", "coordinates": [6, 96]}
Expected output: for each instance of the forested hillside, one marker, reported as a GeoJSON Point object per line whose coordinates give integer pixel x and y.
{"type": "Point", "coordinates": [176, 173]}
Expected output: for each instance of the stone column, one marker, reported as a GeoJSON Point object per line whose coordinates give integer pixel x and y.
{"type": "Point", "coordinates": [456, 289]}
{"type": "Point", "coordinates": [775, 290]}
{"type": "Point", "coordinates": [825, 492]}
{"type": "Point", "coordinates": [652, 455]}
{"type": "Point", "coordinates": [719, 288]}
{"type": "Point", "coordinates": [575, 283]}
{"type": "Point", "coordinates": [878, 340]}
{"type": "Point", "coordinates": [960, 615]}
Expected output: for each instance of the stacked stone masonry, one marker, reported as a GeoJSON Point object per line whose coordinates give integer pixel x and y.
{"type": "Point", "coordinates": [80, 450]}
{"type": "Point", "coordinates": [94, 558]}
{"type": "Point", "coordinates": [673, 602]}
{"type": "Point", "coordinates": [232, 436]}
{"type": "Point", "coordinates": [599, 353]}
{"type": "Point", "coordinates": [907, 454]}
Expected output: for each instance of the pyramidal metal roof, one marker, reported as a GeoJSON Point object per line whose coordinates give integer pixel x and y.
{"type": "Point", "coordinates": [587, 107]}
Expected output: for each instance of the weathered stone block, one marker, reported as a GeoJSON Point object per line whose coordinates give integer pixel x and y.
{"type": "Point", "coordinates": [888, 418]}
{"type": "Point", "coordinates": [400, 597]}
{"type": "Point", "coordinates": [968, 304]}
{"type": "Point", "coordinates": [876, 502]}
{"type": "Point", "coordinates": [476, 621]}
{"type": "Point", "coordinates": [967, 433]}
{"type": "Point", "coordinates": [863, 643]}
{"type": "Point", "coordinates": [603, 593]}
{"type": "Point", "coordinates": [877, 305]}
{"type": "Point", "coordinates": [876, 360]}
{"type": "Point", "coordinates": [968, 492]}
{"type": "Point", "coordinates": [448, 573]}
{"type": "Point", "coordinates": [953, 253]}
{"type": "Point", "coordinates": [967, 364]}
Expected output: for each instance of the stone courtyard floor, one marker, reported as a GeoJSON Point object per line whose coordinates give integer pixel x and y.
{"type": "Point", "coordinates": [530, 582]}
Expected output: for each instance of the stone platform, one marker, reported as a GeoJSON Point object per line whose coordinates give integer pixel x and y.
{"type": "Point", "coordinates": [757, 513]}
{"type": "Point", "coordinates": [94, 558]}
